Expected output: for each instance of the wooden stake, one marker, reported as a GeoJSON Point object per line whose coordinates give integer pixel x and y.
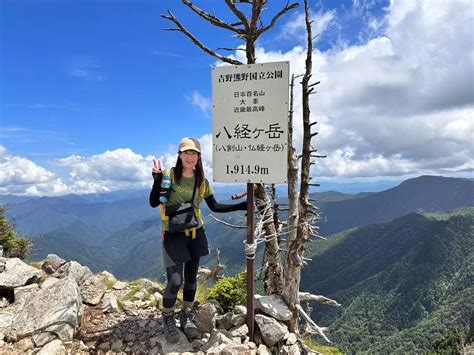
{"type": "Point", "coordinates": [250, 268]}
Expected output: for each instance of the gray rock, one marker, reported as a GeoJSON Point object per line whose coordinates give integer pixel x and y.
{"type": "Point", "coordinates": [218, 337]}
{"type": "Point", "coordinates": [109, 303]}
{"type": "Point", "coordinates": [240, 332]}
{"type": "Point", "coordinates": [92, 290]}
{"type": "Point", "coordinates": [149, 285]}
{"type": "Point", "coordinates": [263, 350]}
{"type": "Point", "coordinates": [74, 270]}
{"type": "Point", "coordinates": [291, 339]}
{"type": "Point", "coordinates": [154, 341]}
{"type": "Point", "coordinates": [216, 349]}
{"type": "Point", "coordinates": [43, 338]}
{"type": "Point", "coordinates": [54, 347]}
{"type": "Point", "coordinates": [225, 321]}
{"type": "Point", "coordinates": [182, 345]}
{"type": "Point", "coordinates": [25, 344]}
{"type": "Point", "coordinates": [119, 285]}
{"type": "Point", "coordinates": [273, 306]}
{"type": "Point", "coordinates": [239, 319]}
{"type": "Point", "coordinates": [64, 331]}
{"type": "Point", "coordinates": [52, 263]}
{"type": "Point", "coordinates": [206, 317]}
{"type": "Point", "coordinates": [23, 294]}
{"type": "Point", "coordinates": [158, 297]}
{"type": "Point", "coordinates": [59, 304]}
{"type": "Point", "coordinates": [48, 282]}
{"type": "Point", "coordinates": [141, 295]}
{"type": "Point", "coordinates": [240, 310]}
{"type": "Point", "coordinates": [17, 274]}
{"type": "Point", "coordinates": [4, 302]}
{"type": "Point", "coordinates": [217, 305]}
{"type": "Point", "coordinates": [205, 337]}
{"type": "Point", "coordinates": [272, 331]}
{"type": "Point", "coordinates": [290, 350]}
{"type": "Point", "coordinates": [6, 320]}
{"type": "Point", "coordinates": [130, 337]}
{"type": "Point", "coordinates": [108, 276]}
{"type": "Point", "coordinates": [116, 345]}
{"type": "Point", "coordinates": [105, 346]}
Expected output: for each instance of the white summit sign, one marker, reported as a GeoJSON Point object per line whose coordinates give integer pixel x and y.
{"type": "Point", "coordinates": [250, 122]}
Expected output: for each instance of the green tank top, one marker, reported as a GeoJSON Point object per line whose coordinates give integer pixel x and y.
{"type": "Point", "coordinates": [183, 192]}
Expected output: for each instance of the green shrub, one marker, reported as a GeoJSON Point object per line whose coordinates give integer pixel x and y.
{"type": "Point", "coordinates": [230, 291]}
{"type": "Point", "coordinates": [323, 349]}
{"type": "Point", "coordinates": [37, 265]}
{"type": "Point", "coordinates": [13, 246]}
{"type": "Point", "coordinates": [202, 292]}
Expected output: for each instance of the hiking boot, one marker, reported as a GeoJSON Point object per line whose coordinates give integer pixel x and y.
{"type": "Point", "coordinates": [169, 327]}
{"type": "Point", "coordinates": [187, 325]}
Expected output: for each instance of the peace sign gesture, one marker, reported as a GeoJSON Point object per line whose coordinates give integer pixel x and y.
{"type": "Point", "coordinates": [156, 167]}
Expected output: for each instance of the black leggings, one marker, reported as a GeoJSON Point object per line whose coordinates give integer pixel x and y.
{"type": "Point", "coordinates": [174, 274]}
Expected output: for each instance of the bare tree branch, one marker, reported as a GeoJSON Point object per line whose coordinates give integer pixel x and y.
{"type": "Point", "coordinates": [239, 195]}
{"type": "Point", "coordinates": [230, 49]}
{"type": "Point", "coordinates": [306, 296]}
{"type": "Point", "coordinates": [277, 16]}
{"type": "Point", "coordinates": [211, 18]}
{"type": "Point", "coordinates": [213, 274]}
{"type": "Point", "coordinates": [316, 83]}
{"type": "Point", "coordinates": [227, 224]}
{"type": "Point", "coordinates": [239, 14]}
{"type": "Point", "coordinates": [196, 41]}
{"type": "Point", "coordinates": [313, 327]}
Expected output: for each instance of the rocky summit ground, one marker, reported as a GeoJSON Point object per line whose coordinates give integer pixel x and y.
{"type": "Point", "coordinates": [59, 307]}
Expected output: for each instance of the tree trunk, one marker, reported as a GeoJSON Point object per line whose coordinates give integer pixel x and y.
{"type": "Point", "coordinates": [296, 247]}
{"type": "Point", "coordinates": [291, 278]}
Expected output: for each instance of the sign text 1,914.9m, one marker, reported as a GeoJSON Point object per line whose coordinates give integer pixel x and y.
{"type": "Point", "coordinates": [246, 169]}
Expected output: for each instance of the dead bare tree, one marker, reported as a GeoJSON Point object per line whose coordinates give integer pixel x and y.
{"type": "Point", "coordinates": [303, 214]}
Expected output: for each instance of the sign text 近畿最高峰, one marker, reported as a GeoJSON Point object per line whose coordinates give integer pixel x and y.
{"type": "Point", "coordinates": [250, 122]}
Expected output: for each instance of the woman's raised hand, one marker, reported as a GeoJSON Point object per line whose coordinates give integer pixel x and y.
{"type": "Point", "coordinates": [156, 167]}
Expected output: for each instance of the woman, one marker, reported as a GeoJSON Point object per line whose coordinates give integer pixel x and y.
{"type": "Point", "coordinates": [182, 250]}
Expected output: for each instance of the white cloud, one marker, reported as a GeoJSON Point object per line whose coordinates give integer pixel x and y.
{"type": "Point", "coordinates": [295, 28]}
{"type": "Point", "coordinates": [399, 103]}
{"type": "Point", "coordinates": [19, 175]}
{"type": "Point", "coordinates": [200, 101]}
{"type": "Point", "coordinates": [112, 170]}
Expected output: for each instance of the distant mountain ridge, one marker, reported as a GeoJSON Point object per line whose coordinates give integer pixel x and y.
{"type": "Point", "coordinates": [402, 284]}
{"type": "Point", "coordinates": [422, 194]}
{"type": "Point", "coordinates": [129, 229]}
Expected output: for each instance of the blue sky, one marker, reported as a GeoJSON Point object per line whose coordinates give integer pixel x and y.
{"type": "Point", "coordinates": [93, 88]}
